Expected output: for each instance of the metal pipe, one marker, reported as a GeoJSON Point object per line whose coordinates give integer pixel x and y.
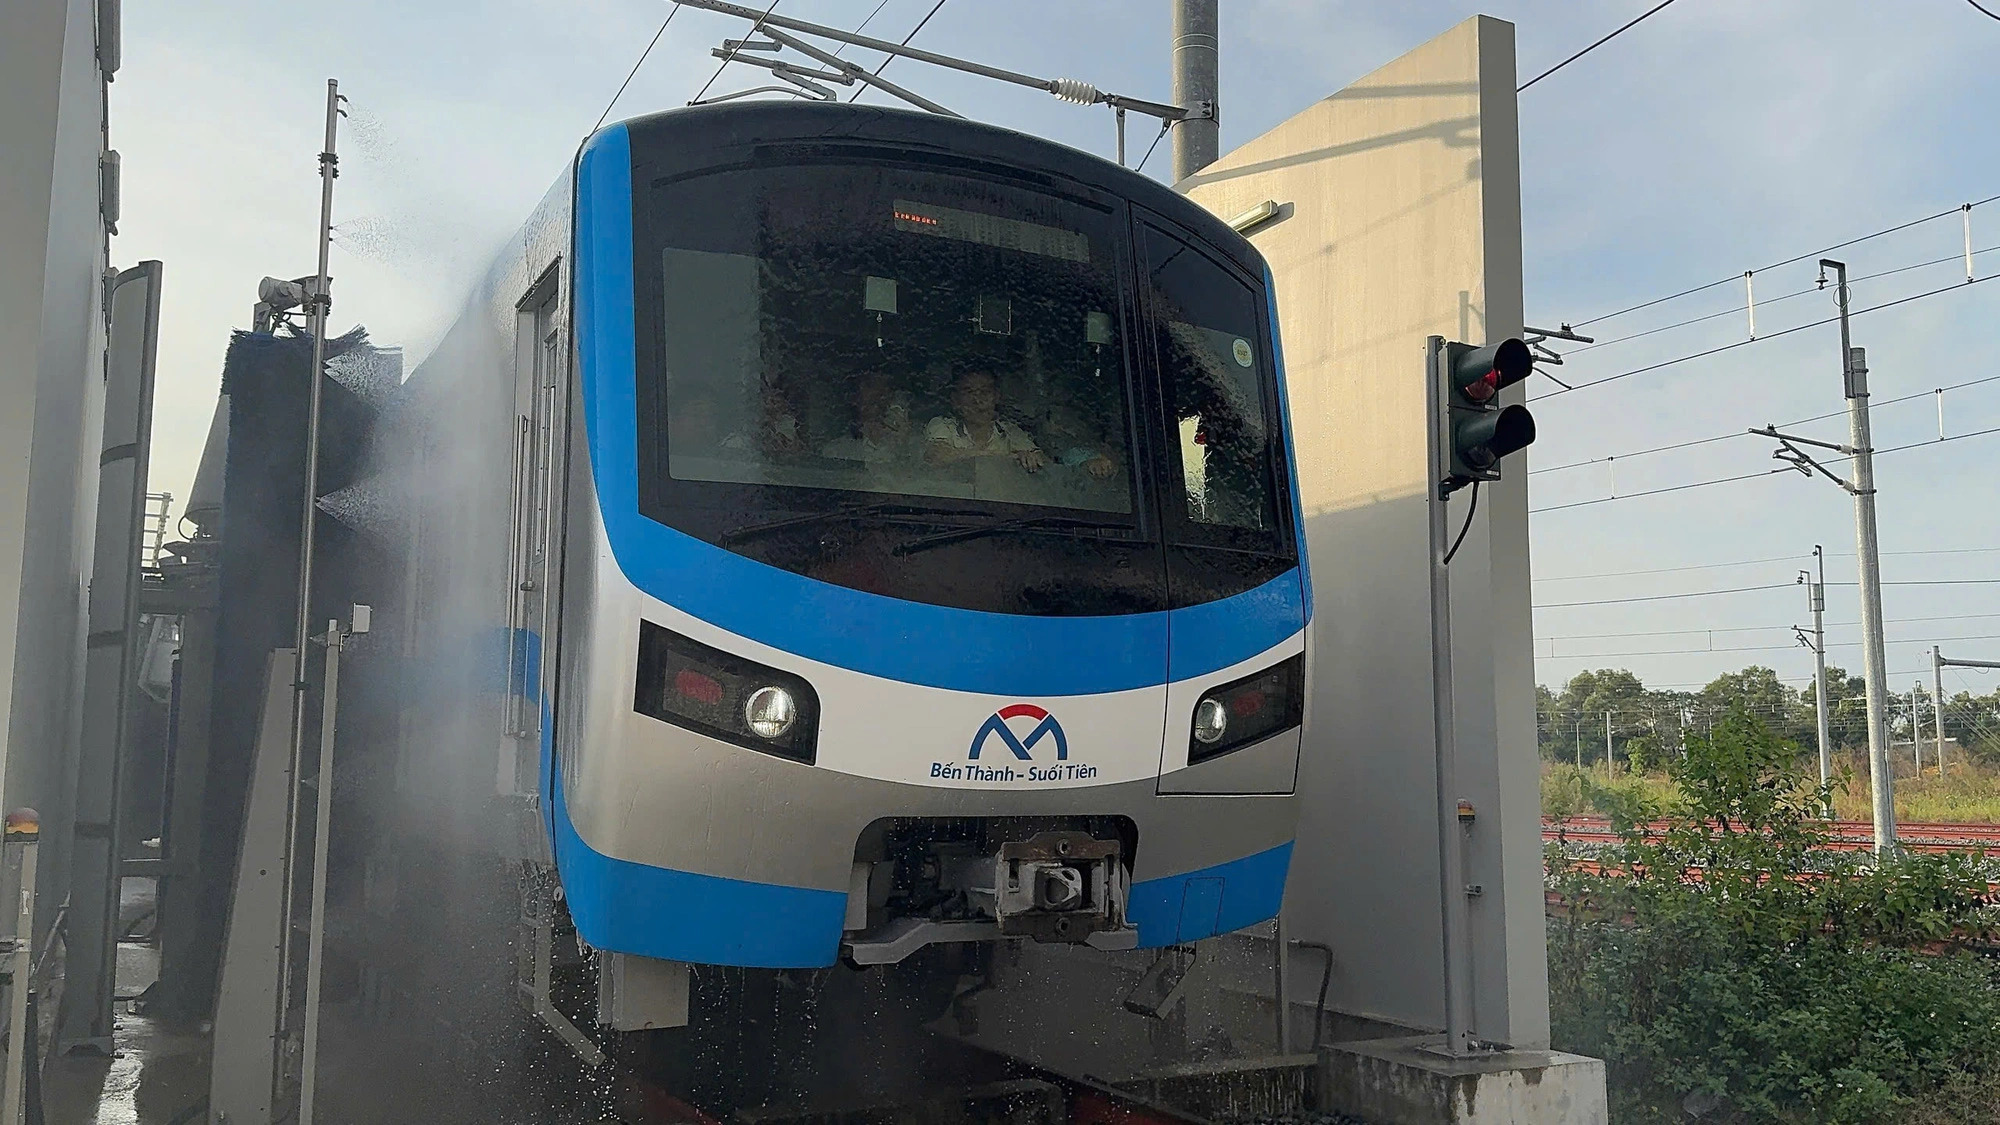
{"type": "Point", "coordinates": [1197, 77]}
{"type": "Point", "coordinates": [1881, 785]}
{"type": "Point", "coordinates": [321, 301]}
{"type": "Point", "coordinates": [322, 831]}
{"type": "Point", "coordinates": [1457, 920]}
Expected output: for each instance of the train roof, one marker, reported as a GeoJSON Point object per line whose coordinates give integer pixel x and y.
{"type": "Point", "coordinates": [748, 123]}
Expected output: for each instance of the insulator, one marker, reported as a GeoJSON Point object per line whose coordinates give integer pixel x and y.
{"type": "Point", "coordinates": [1076, 90]}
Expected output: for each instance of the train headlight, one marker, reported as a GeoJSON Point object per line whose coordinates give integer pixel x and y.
{"type": "Point", "coordinates": [1211, 721]}
{"type": "Point", "coordinates": [770, 712]}
{"type": "Point", "coordinates": [725, 696]}
{"type": "Point", "coordinates": [1248, 710]}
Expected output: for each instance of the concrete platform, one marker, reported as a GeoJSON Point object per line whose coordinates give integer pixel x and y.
{"type": "Point", "coordinates": [1405, 1082]}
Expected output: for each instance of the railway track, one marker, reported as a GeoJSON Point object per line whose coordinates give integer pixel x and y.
{"type": "Point", "coordinates": [1843, 835]}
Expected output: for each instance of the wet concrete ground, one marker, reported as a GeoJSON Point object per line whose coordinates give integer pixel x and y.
{"type": "Point", "coordinates": [157, 1075]}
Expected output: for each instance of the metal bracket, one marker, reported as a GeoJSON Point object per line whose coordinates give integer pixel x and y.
{"type": "Point", "coordinates": [1789, 451]}
{"type": "Point", "coordinates": [1161, 985]}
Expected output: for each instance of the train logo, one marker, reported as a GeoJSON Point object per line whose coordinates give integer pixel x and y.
{"type": "Point", "coordinates": [996, 727]}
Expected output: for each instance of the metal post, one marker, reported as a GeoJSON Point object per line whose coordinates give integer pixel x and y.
{"type": "Point", "coordinates": [1456, 911]}
{"type": "Point", "coordinates": [322, 829]}
{"type": "Point", "coordinates": [1917, 728]}
{"type": "Point", "coordinates": [1579, 742]}
{"type": "Point", "coordinates": [23, 836]}
{"type": "Point", "coordinates": [1937, 703]}
{"type": "Point", "coordinates": [1281, 984]}
{"type": "Point", "coordinates": [321, 302]}
{"type": "Point", "coordinates": [1607, 747]}
{"type": "Point", "coordinates": [1881, 784]}
{"type": "Point", "coordinates": [1818, 596]}
{"type": "Point", "coordinates": [1198, 138]}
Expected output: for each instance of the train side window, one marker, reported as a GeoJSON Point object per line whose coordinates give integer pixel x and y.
{"type": "Point", "coordinates": [1210, 347]}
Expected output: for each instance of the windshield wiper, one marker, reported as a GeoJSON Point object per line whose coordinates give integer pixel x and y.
{"type": "Point", "coordinates": [999, 527]}
{"type": "Point", "coordinates": [850, 511]}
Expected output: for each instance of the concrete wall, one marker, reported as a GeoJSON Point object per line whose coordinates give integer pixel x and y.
{"type": "Point", "coordinates": [1400, 218]}
{"type": "Point", "coordinates": [52, 260]}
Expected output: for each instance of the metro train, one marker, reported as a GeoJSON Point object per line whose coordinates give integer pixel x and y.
{"type": "Point", "coordinates": [902, 544]}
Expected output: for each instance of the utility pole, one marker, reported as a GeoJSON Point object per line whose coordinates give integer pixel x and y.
{"type": "Point", "coordinates": [1937, 704]}
{"type": "Point", "coordinates": [1197, 82]}
{"type": "Point", "coordinates": [1579, 742]}
{"type": "Point", "coordinates": [1881, 781]}
{"type": "Point", "coordinates": [1817, 595]}
{"type": "Point", "coordinates": [1861, 486]}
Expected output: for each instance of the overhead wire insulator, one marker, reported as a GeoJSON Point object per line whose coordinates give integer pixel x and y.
{"type": "Point", "coordinates": [1075, 90]}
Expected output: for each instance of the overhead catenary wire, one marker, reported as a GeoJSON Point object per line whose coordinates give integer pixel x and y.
{"type": "Point", "coordinates": [862, 26]}
{"type": "Point", "coordinates": [1925, 444]}
{"type": "Point", "coordinates": [906, 42]}
{"type": "Point", "coordinates": [1793, 260]}
{"type": "Point", "coordinates": [1749, 562]}
{"type": "Point", "coordinates": [641, 61]}
{"type": "Point", "coordinates": [1955, 287]}
{"type": "Point", "coordinates": [729, 56]}
{"type": "Point", "coordinates": [1842, 412]}
{"type": "Point", "coordinates": [1984, 10]}
{"type": "Point", "coordinates": [1751, 648]}
{"type": "Point", "coordinates": [1601, 42]}
{"type": "Point", "coordinates": [1761, 628]}
{"type": "Point", "coordinates": [1734, 310]}
{"type": "Point", "coordinates": [1667, 597]}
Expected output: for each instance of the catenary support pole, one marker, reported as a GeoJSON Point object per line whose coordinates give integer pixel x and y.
{"type": "Point", "coordinates": [1818, 596]}
{"type": "Point", "coordinates": [1607, 746]}
{"type": "Point", "coordinates": [1937, 703]}
{"type": "Point", "coordinates": [1197, 80]}
{"type": "Point", "coordinates": [1457, 913]}
{"type": "Point", "coordinates": [321, 302]}
{"type": "Point", "coordinates": [1881, 782]}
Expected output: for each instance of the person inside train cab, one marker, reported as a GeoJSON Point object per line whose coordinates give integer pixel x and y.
{"type": "Point", "coordinates": [881, 424]}
{"type": "Point", "coordinates": [1072, 441]}
{"type": "Point", "coordinates": [975, 429]}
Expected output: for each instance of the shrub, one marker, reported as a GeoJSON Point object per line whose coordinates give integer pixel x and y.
{"type": "Point", "coordinates": [1729, 966]}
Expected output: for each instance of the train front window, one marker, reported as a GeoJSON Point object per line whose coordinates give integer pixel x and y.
{"type": "Point", "coordinates": [943, 352]}
{"type": "Point", "coordinates": [1210, 342]}
{"type": "Point", "coordinates": [896, 334]}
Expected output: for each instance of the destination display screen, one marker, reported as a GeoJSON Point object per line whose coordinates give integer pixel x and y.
{"type": "Point", "coordinates": [991, 230]}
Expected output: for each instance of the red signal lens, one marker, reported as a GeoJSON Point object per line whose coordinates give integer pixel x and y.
{"type": "Point", "coordinates": [693, 685]}
{"type": "Point", "coordinates": [1246, 703]}
{"type": "Point", "coordinates": [1484, 387]}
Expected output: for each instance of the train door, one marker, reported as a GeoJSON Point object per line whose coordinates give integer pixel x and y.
{"type": "Point", "coordinates": [1235, 603]}
{"type": "Point", "coordinates": [538, 399]}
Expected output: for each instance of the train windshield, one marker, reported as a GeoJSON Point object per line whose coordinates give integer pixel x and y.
{"type": "Point", "coordinates": [889, 333]}
{"type": "Point", "coordinates": [918, 382]}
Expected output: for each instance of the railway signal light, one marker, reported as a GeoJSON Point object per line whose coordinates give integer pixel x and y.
{"type": "Point", "coordinates": [1478, 430]}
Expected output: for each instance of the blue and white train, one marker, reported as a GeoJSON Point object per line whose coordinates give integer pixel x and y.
{"type": "Point", "coordinates": [902, 537]}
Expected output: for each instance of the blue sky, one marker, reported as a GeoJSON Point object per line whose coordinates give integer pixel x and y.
{"type": "Point", "coordinates": [1718, 136]}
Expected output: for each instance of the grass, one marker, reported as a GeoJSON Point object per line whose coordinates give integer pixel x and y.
{"type": "Point", "coordinates": [1971, 795]}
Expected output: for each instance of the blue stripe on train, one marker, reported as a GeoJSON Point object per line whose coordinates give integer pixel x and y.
{"type": "Point", "coordinates": [963, 650]}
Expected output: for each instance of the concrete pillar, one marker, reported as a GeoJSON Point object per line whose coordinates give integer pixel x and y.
{"type": "Point", "coordinates": [1398, 217]}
